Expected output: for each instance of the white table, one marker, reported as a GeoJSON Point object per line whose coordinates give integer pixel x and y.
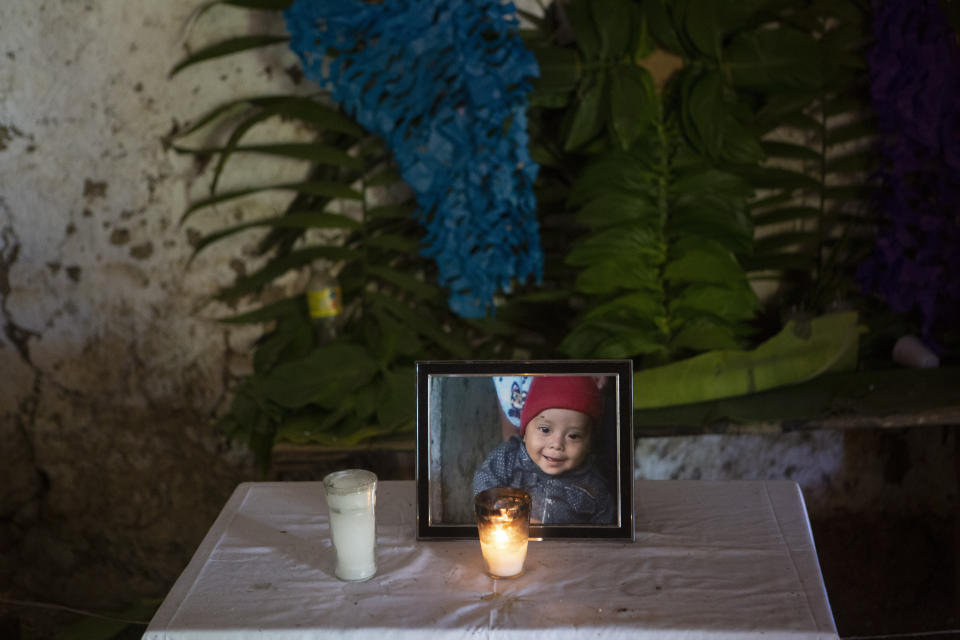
{"type": "Point", "coordinates": [710, 560]}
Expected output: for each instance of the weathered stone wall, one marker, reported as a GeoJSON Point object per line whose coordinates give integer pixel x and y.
{"type": "Point", "coordinates": [869, 471]}
{"type": "Point", "coordinates": [111, 366]}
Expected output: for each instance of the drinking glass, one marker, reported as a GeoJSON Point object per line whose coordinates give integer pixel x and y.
{"type": "Point", "coordinates": [352, 498]}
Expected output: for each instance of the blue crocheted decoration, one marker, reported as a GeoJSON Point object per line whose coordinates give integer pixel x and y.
{"type": "Point", "coordinates": [444, 83]}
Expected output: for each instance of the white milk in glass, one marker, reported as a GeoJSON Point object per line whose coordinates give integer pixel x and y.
{"type": "Point", "coordinates": [351, 498]}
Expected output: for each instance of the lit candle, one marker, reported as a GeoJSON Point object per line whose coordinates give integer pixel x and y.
{"type": "Point", "coordinates": [503, 523]}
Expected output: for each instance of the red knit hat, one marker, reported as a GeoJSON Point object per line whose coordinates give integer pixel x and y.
{"type": "Point", "coordinates": [579, 393]}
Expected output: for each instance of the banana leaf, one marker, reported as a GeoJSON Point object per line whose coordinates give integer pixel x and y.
{"type": "Point", "coordinates": [801, 351]}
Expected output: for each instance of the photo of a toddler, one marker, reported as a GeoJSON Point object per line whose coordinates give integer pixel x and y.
{"type": "Point", "coordinates": [552, 456]}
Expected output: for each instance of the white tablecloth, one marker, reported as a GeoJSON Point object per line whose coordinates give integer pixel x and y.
{"type": "Point", "coordinates": [710, 560]}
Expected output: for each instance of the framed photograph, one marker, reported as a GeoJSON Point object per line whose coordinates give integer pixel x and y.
{"type": "Point", "coordinates": [560, 429]}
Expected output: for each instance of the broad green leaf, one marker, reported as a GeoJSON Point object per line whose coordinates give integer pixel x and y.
{"type": "Point", "coordinates": [622, 241]}
{"type": "Point", "coordinates": [641, 44]}
{"type": "Point", "coordinates": [660, 25]}
{"type": "Point", "coordinates": [740, 146]}
{"type": "Point", "coordinates": [611, 341]}
{"type": "Point", "coordinates": [707, 111]}
{"type": "Point", "coordinates": [690, 186]}
{"type": "Point", "coordinates": [736, 303]}
{"type": "Point", "coordinates": [543, 154]}
{"type": "Point", "coordinates": [292, 338]}
{"type": "Point", "coordinates": [616, 173]}
{"type": "Point", "coordinates": [617, 339]}
{"type": "Point", "coordinates": [703, 335]}
{"type": "Point", "coordinates": [365, 400]}
{"type": "Point", "coordinates": [387, 337]}
{"type": "Point", "coordinates": [323, 377]}
{"type": "Point", "coordinates": [700, 23]}
{"type": "Point", "coordinates": [588, 116]}
{"type": "Point", "coordinates": [614, 23]}
{"type": "Point", "coordinates": [632, 106]}
{"type": "Point", "coordinates": [702, 265]}
{"type": "Point", "coordinates": [709, 219]}
{"type": "Point", "coordinates": [797, 353]}
{"type": "Point", "coordinates": [624, 344]}
{"type": "Point", "coordinates": [614, 276]}
{"type": "Point", "coordinates": [397, 402]}
{"type": "Point", "coordinates": [227, 47]}
{"type": "Point", "coordinates": [584, 30]}
{"type": "Point", "coordinates": [786, 109]}
{"type": "Point", "coordinates": [646, 305]}
{"type": "Point", "coordinates": [613, 208]}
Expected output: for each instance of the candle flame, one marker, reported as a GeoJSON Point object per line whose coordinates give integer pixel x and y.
{"type": "Point", "coordinates": [503, 528]}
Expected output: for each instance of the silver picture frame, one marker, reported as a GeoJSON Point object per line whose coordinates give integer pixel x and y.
{"type": "Point", "coordinates": [460, 423]}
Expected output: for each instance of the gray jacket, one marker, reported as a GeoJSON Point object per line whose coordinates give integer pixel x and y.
{"type": "Point", "coordinates": [578, 496]}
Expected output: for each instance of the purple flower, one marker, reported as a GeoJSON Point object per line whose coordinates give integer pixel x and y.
{"type": "Point", "coordinates": [915, 90]}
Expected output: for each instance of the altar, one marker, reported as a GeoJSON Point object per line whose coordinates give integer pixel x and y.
{"type": "Point", "coordinates": [710, 560]}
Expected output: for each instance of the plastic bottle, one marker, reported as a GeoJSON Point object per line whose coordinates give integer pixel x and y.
{"type": "Point", "coordinates": [325, 304]}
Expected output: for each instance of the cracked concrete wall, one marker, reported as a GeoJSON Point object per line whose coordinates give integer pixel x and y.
{"type": "Point", "coordinates": [111, 365]}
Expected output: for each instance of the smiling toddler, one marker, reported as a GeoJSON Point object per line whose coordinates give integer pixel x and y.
{"type": "Point", "coordinates": [552, 457]}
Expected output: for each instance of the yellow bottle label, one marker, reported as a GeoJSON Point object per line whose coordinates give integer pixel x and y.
{"type": "Point", "coordinates": [324, 303]}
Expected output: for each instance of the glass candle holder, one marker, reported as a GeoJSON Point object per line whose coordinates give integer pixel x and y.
{"type": "Point", "coordinates": [352, 498]}
{"type": "Point", "coordinates": [503, 522]}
